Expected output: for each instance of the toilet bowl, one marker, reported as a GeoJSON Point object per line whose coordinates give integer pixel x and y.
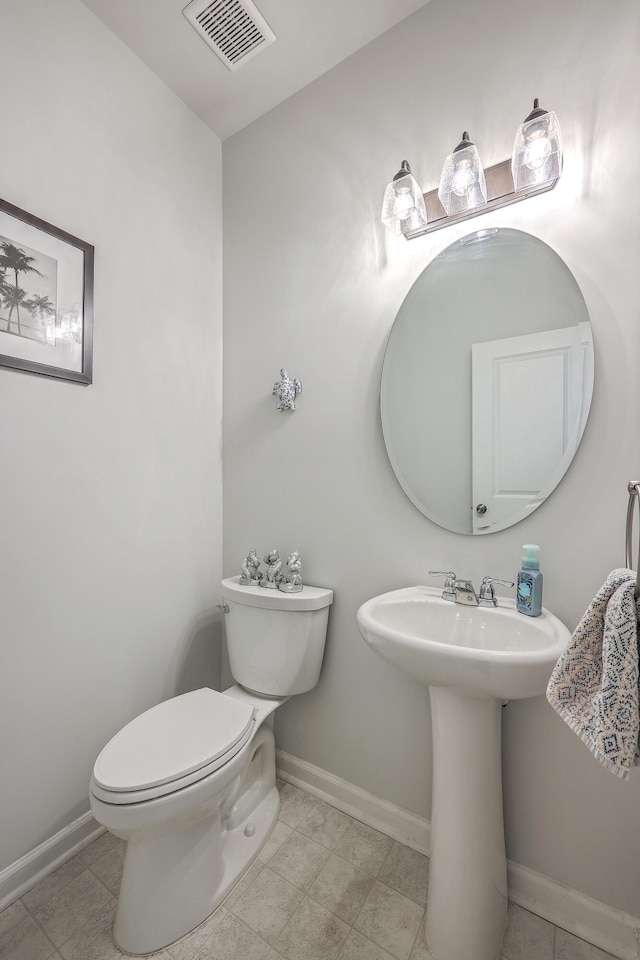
{"type": "Point", "coordinates": [190, 783]}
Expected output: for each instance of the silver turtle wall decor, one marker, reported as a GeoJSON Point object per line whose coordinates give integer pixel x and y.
{"type": "Point", "coordinates": [286, 391]}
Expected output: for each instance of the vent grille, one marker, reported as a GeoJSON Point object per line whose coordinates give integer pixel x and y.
{"type": "Point", "coordinates": [234, 30]}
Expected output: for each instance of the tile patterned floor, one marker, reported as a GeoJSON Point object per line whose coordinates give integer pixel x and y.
{"type": "Point", "coordinates": [325, 887]}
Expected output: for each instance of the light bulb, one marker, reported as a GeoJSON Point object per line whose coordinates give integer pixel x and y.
{"type": "Point", "coordinates": [463, 179]}
{"type": "Point", "coordinates": [537, 152]}
{"type": "Point", "coordinates": [403, 204]}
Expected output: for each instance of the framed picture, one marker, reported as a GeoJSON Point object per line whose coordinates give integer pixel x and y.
{"type": "Point", "coordinates": [46, 298]}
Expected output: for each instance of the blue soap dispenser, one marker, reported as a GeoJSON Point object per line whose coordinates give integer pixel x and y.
{"type": "Point", "coordinates": [529, 589]}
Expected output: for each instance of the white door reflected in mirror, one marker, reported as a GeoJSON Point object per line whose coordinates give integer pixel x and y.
{"type": "Point", "coordinates": [527, 419]}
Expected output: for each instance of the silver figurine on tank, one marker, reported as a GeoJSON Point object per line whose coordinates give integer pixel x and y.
{"type": "Point", "coordinates": [251, 575]}
{"type": "Point", "coordinates": [292, 581]}
{"type": "Point", "coordinates": [274, 567]}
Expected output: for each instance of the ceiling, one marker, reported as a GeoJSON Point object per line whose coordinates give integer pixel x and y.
{"type": "Point", "coordinates": [312, 36]}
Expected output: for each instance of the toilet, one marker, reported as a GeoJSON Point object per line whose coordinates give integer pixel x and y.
{"type": "Point", "coordinates": [190, 783]}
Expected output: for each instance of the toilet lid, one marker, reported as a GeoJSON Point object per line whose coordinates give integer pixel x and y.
{"type": "Point", "coordinates": [172, 740]}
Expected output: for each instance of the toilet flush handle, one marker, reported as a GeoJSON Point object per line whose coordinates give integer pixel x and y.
{"type": "Point", "coordinates": [223, 608]}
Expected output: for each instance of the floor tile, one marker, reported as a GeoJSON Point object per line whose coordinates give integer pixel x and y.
{"type": "Point", "coordinates": [244, 883]}
{"type": "Point", "coordinates": [25, 941]}
{"type": "Point", "coordinates": [195, 943]}
{"type": "Point", "coordinates": [390, 920]}
{"type": "Point", "coordinates": [295, 804]}
{"type": "Point", "coordinates": [98, 848]}
{"type": "Point", "coordinates": [527, 936]}
{"type": "Point", "coordinates": [279, 834]}
{"type": "Point", "coordinates": [358, 947]}
{"type": "Point", "coordinates": [10, 916]}
{"type": "Point", "coordinates": [326, 825]}
{"type": "Point", "coordinates": [108, 868]}
{"type": "Point", "coordinates": [228, 940]}
{"type": "Point", "coordinates": [299, 860]}
{"type": "Point", "coordinates": [313, 933]}
{"type": "Point", "coordinates": [94, 941]}
{"type": "Point", "coordinates": [341, 888]}
{"type": "Point", "coordinates": [53, 884]}
{"type": "Point", "coordinates": [62, 915]}
{"type": "Point", "coordinates": [268, 904]}
{"type": "Point", "coordinates": [364, 847]}
{"type": "Point", "coordinates": [569, 947]}
{"type": "Point", "coordinates": [407, 871]}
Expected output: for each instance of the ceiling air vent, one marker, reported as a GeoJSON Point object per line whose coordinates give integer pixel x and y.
{"type": "Point", "coordinates": [234, 30]}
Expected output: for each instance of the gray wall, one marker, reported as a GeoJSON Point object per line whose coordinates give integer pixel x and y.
{"type": "Point", "coordinates": [110, 495]}
{"type": "Point", "coordinates": [312, 282]}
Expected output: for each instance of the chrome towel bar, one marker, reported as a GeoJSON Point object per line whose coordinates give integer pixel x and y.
{"type": "Point", "coordinates": [634, 498]}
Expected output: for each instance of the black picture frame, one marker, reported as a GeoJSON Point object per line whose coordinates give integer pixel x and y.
{"type": "Point", "coordinates": [46, 298]}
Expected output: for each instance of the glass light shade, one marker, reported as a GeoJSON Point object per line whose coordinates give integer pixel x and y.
{"type": "Point", "coordinates": [537, 150]}
{"type": "Point", "coordinates": [403, 208]}
{"type": "Point", "coordinates": [462, 182]}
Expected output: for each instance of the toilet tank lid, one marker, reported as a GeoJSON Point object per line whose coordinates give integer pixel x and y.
{"type": "Point", "coordinates": [172, 740]}
{"type": "Point", "coordinates": [309, 598]}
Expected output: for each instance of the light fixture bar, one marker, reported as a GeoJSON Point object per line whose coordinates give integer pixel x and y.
{"type": "Point", "coordinates": [500, 193]}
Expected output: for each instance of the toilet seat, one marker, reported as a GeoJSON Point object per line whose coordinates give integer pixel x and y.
{"type": "Point", "coordinates": [172, 745]}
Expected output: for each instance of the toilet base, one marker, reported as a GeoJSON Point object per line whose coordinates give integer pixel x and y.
{"type": "Point", "coordinates": [172, 883]}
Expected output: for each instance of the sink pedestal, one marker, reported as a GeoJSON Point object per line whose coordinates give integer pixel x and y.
{"type": "Point", "coordinates": [467, 905]}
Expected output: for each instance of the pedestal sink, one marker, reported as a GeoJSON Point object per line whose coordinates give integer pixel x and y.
{"type": "Point", "coordinates": [473, 658]}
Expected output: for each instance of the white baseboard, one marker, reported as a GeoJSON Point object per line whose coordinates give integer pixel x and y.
{"type": "Point", "coordinates": [25, 873]}
{"type": "Point", "coordinates": [612, 930]}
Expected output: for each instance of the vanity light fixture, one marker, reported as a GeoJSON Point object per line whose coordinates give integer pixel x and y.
{"type": "Point", "coordinates": [403, 208]}
{"type": "Point", "coordinates": [466, 190]}
{"type": "Point", "coordinates": [537, 150]}
{"type": "Point", "coordinates": [462, 182]}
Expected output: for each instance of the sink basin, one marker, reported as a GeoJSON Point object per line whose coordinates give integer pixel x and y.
{"type": "Point", "coordinates": [472, 659]}
{"type": "Point", "coordinates": [490, 651]}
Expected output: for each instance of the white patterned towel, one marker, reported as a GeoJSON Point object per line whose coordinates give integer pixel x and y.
{"type": "Point", "coordinates": [594, 685]}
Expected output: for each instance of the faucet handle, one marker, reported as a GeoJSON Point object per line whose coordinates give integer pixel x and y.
{"type": "Point", "coordinates": [448, 591]}
{"type": "Point", "coordinates": [487, 594]}
{"type": "Point", "coordinates": [448, 575]}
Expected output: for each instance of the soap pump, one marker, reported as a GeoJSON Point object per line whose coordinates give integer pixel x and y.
{"type": "Point", "coordinates": [529, 589]}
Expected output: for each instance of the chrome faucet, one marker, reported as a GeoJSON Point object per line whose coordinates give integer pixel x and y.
{"type": "Point", "coordinates": [462, 591]}
{"type": "Point", "coordinates": [455, 590]}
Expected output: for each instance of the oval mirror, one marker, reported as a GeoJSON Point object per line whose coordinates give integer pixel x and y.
{"type": "Point", "coordinates": [487, 381]}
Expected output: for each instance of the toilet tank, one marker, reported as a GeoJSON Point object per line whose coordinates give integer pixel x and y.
{"type": "Point", "coordinates": [275, 640]}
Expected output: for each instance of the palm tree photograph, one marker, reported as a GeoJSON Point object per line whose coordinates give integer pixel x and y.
{"type": "Point", "coordinates": [27, 292]}
{"type": "Point", "coordinates": [46, 297]}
